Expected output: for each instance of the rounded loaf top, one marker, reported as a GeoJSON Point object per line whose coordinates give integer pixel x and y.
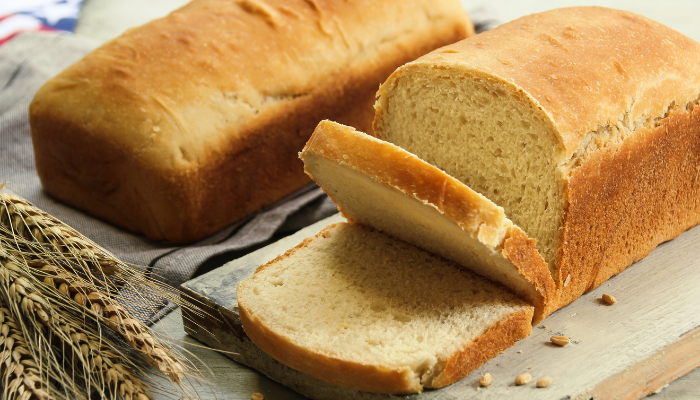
{"type": "Point", "coordinates": [585, 67]}
{"type": "Point", "coordinates": [183, 88]}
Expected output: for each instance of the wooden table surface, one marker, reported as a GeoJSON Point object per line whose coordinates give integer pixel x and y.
{"type": "Point", "coordinates": [105, 19]}
{"type": "Point", "coordinates": [229, 380]}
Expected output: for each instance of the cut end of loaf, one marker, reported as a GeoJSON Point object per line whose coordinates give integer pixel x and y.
{"type": "Point", "coordinates": [487, 134]}
{"type": "Point", "coordinates": [359, 309]}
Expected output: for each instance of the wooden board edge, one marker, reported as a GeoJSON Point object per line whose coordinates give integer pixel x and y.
{"type": "Point", "coordinates": [204, 327]}
{"type": "Point", "coordinates": [652, 374]}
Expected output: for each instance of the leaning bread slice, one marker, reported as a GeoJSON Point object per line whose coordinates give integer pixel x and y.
{"type": "Point", "coordinates": [378, 184]}
{"type": "Point", "coordinates": [360, 309]}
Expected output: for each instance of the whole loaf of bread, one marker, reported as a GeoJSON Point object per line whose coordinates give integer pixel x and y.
{"type": "Point", "coordinates": [187, 124]}
{"type": "Point", "coordinates": [582, 123]}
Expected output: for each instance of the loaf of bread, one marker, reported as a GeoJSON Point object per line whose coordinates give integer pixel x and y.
{"type": "Point", "coordinates": [362, 310]}
{"type": "Point", "coordinates": [582, 123]}
{"type": "Point", "coordinates": [187, 124]}
{"type": "Point", "coordinates": [380, 185]}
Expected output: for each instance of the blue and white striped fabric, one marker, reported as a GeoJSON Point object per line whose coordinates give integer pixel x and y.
{"type": "Point", "coordinates": [18, 16]}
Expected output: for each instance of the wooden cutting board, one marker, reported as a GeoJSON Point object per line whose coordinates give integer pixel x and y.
{"type": "Point", "coordinates": [650, 337]}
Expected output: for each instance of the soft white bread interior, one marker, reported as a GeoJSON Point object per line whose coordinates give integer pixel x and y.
{"type": "Point", "coordinates": [360, 309]}
{"type": "Point", "coordinates": [378, 184]}
{"type": "Point", "coordinates": [581, 123]}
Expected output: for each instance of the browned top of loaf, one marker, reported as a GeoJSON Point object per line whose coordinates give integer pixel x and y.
{"type": "Point", "coordinates": [585, 67]}
{"type": "Point", "coordinates": [212, 68]}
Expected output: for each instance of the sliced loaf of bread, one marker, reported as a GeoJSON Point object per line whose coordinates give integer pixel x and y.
{"type": "Point", "coordinates": [582, 123]}
{"type": "Point", "coordinates": [360, 309]}
{"type": "Point", "coordinates": [378, 184]}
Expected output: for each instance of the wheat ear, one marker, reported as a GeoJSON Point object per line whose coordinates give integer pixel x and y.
{"type": "Point", "coordinates": [135, 332]}
{"type": "Point", "coordinates": [97, 363]}
{"type": "Point", "coordinates": [38, 232]}
{"type": "Point", "coordinates": [104, 363]}
{"type": "Point", "coordinates": [38, 236]}
{"type": "Point", "coordinates": [21, 378]}
{"type": "Point", "coordinates": [42, 240]}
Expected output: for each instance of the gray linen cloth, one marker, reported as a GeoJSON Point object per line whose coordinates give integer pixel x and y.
{"type": "Point", "coordinates": [29, 60]}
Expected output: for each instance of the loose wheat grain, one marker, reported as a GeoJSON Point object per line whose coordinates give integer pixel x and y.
{"type": "Point", "coordinates": [523, 379]}
{"type": "Point", "coordinates": [485, 380]}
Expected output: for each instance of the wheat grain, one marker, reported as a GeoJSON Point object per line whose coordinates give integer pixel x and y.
{"type": "Point", "coordinates": [560, 341]}
{"type": "Point", "coordinates": [485, 380]}
{"type": "Point", "coordinates": [544, 382]}
{"type": "Point", "coordinates": [522, 379]}
{"type": "Point", "coordinates": [609, 300]}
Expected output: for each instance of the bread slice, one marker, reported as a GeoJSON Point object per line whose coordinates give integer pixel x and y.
{"type": "Point", "coordinates": [582, 123]}
{"type": "Point", "coordinates": [378, 184]}
{"type": "Point", "coordinates": [362, 310]}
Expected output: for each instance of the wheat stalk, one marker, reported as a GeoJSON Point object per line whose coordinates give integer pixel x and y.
{"type": "Point", "coordinates": [92, 358]}
{"type": "Point", "coordinates": [60, 283]}
{"type": "Point", "coordinates": [88, 274]}
{"type": "Point", "coordinates": [20, 374]}
{"type": "Point", "coordinates": [135, 332]}
{"type": "Point", "coordinates": [38, 236]}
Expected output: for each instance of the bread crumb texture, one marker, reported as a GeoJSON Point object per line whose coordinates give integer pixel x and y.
{"type": "Point", "coordinates": [484, 135]}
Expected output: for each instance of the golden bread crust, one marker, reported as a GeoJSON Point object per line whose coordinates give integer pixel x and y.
{"type": "Point", "coordinates": [496, 339]}
{"type": "Point", "coordinates": [626, 199]}
{"type": "Point", "coordinates": [182, 126]}
{"type": "Point", "coordinates": [522, 252]}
